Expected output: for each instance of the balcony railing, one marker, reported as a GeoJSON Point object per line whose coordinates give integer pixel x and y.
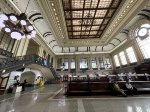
{"type": "Point", "coordinates": [13, 63]}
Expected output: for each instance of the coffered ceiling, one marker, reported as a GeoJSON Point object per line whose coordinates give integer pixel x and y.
{"type": "Point", "coordinates": [94, 25]}
{"type": "Point", "coordinates": [87, 19]}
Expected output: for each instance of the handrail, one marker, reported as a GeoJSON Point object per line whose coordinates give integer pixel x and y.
{"type": "Point", "coordinates": [5, 53]}
{"type": "Point", "coordinates": [13, 63]}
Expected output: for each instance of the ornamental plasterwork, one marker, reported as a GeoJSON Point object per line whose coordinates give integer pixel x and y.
{"type": "Point", "coordinates": [116, 25]}
{"type": "Point", "coordinates": [136, 26]}
{"type": "Point", "coordinates": [124, 16]}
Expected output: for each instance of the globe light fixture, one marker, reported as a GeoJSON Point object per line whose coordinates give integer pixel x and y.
{"type": "Point", "coordinates": [3, 17]}
{"type": "Point", "coordinates": [2, 25]}
{"type": "Point", "coordinates": [13, 18]}
{"type": "Point", "coordinates": [17, 25]}
{"type": "Point", "coordinates": [23, 22]}
{"type": "Point", "coordinates": [7, 30]}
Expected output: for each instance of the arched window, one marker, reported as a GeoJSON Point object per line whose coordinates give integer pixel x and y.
{"type": "Point", "coordinates": [116, 59]}
{"type": "Point", "coordinates": [143, 39]}
{"type": "Point", "coordinates": [83, 63]}
{"type": "Point", "coordinates": [94, 64]}
{"type": "Point", "coordinates": [72, 63]}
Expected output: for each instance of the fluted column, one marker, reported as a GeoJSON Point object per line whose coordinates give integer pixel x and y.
{"type": "Point", "coordinates": [97, 63]}
{"type": "Point", "coordinates": [90, 63]}
{"type": "Point", "coordinates": [22, 46]}
{"type": "Point", "coordinates": [69, 64]}
{"type": "Point", "coordinates": [40, 53]}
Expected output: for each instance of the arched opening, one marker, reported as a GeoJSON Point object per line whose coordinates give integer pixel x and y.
{"type": "Point", "coordinates": [29, 77]}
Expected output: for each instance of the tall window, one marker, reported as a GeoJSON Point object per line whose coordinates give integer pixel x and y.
{"type": "Point", "coordinates": [131, 55]}
{"type": "Point", "coordinates": [83, 63]}
{"type": "Point", "coordinates": [66, 63]}
{"type": "Point", "coordinates": [72, 64]}
{"type": "Point", "coordinates": [101, 63]}
{"type": "Point", "coordinates": [117, 63]}
{"type": "Point", "coordinates": [122, 58]}
{"type": "Point", "coordinates": [107, 63]}
{"type": "Point", "coordinates": [143, 39]}
{"type": "Point", "coordinates": [59, 62]}
{"type": "Point", "coordinates": [94, 64]}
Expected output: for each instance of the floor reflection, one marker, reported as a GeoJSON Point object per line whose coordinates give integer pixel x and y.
{"type": "Point", "coordinates": [38, 101]}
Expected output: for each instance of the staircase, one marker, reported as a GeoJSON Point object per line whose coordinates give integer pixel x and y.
{"type": "Point", "coordinates": [13, 63]}
{"type": "Point", "coordinates": [5, 53]}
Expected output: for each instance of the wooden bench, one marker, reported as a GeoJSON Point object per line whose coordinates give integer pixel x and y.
{"type": "Point", "coordinates": [103, 85]}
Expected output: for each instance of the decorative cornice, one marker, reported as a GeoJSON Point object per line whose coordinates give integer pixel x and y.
{"type": "Point", "coordinates": [54, 12]}
{"type": "Point", "coordinates": [136, 26]}
{"type": "Point", "coordinates": [129, 10]}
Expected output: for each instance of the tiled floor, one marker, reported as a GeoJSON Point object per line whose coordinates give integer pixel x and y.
{"type": "Point", "coordinates": [43, 100]}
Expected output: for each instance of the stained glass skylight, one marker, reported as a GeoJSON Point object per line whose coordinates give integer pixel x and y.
{"type": "Point", "coordinates": [88, 18]}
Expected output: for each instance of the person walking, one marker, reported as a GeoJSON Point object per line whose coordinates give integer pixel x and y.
{"type": "Point", "coordinates": [24, 85]}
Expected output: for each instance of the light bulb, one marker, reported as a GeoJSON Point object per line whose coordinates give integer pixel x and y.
{"type": "Point", "coordinates": [13, 18]}
{"type": "Point", "coordinates": [23, 22]}
{"type": "Point", "coordinates": [29, 36]}
{"type": "Point", "coordinates": [3, 17]}
{"type": "Point", "coordinates": [1, 21]}
{"type": "Point", "coordinates": [32, 35]}
{"type": "Point", "coordinates": [33, 32]}
{"type": "Point", "coordinates": [16, 35]}
{"type": "Point", "coordinates": [7, 30]}
{"type": "Point", "coordinates": [30, 27]}
{"type": "Point", "coordinates": [2, 25]}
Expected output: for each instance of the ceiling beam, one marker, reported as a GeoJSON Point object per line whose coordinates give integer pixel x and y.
{"type": "Point", "coordinates": [87, 18]}
{"type": "Point", "coordinates": [94, 16]}
{"type": "Point", "coordinates": [81, 9]}
{"type": "Point", "coordinates": [87, 25]}
{"type": "Point", "coordinates": [82, 16]}
{"type": "Point", "coordinates": [85, 31]}
{"type": "Point", "coordinates": [35, 14]}
{"type": "Point", "coordinates": [108, 13]}
{"type": "Point", "coordinates": [37, 19]}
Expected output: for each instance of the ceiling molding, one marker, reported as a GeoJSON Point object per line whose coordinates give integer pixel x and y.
{"type": "Point", "coordinates": [125, 14]}
{"type": "Point", "coordinates": [34, 14]}
{"type": "Point", "coordinates": [38, 18]}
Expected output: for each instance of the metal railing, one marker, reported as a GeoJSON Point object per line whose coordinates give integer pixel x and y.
{"type": "Point", "coordinates": [13, 63]}
{"type": "Point", "coordinates": [5, 53]}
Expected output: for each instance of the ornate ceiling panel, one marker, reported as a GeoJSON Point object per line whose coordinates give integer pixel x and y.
{"type": "Point", "coordinates": [87, 19]}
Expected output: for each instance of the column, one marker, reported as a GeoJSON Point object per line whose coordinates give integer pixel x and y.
{"type": "Point", "coordinates": [127, 58]}
{"type": "Point", "coordinates": [119, 61]}
{"type": "Point", "coordinates": [15, 47]}
{"type": "Point", "coordinates": [97, 62]}
{"type": "Point", "coordinates": [56, 62]}
{"type": "Point", "coordinates": [137, 51]}
{"type": "Point", "coordinates": [62, 60]}
{"type": "Point", "coordinates": [111, 62]}
{"type": "Point", "coordinates": [22, 47]}
{"type": "Point", "coordinates": [90, 63]}
{"type": "Point", "coordinates": [25, 46]}
{"type": "Point", "coordinates": [77, 63]}
{"type": "Point", "coordinates": [40, 53]}
{"type": "Point", "coordinates": [69, 64]}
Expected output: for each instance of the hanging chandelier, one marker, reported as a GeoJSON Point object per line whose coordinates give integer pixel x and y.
{"type": "Point", "coordinates": [17, 25]}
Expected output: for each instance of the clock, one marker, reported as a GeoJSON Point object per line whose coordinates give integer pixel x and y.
{"type": "Point", "coordinates": [142, 32]}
